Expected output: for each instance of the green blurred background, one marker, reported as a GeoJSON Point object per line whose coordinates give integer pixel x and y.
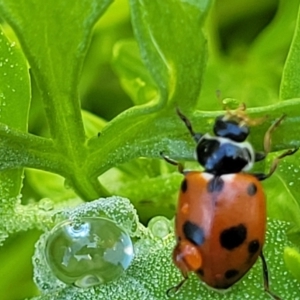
{"type": "Point", "coordinates": [232, 27]}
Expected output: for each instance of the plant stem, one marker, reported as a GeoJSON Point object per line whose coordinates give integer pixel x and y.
{"type": "Point", "coordinates": [87, 188]}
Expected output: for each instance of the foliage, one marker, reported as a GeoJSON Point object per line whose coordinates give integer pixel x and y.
{"type": "Point", "coordinates": [84, 137]}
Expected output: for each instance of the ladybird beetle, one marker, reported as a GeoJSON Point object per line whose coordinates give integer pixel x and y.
{"type": "Point", "coordinates": [220, 222]}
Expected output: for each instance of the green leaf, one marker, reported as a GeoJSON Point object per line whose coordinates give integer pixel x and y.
{"type": "Point", "coordinates": [68, 129]}
{"type": "Point", "coordinates": [134, 77]}
{"type": "Point", "coordinates": [292, 261]}
{"type": "Point", "coordinates": [290, 87]}
{"type": "Point", "coordinates": [15, 85]}
{"type": "Point", "coordinates": [56, 55]}
{"type": "Point", "coordinates": [267, 45]}
{"type": "Point", "coordinates": [19, 149]}
{"type": "Point", "coordinates": [109, 29]}
{"type": "Point", "coordinates": [151, 196]}
{"type": "Point", "coordinates": [92, 124]}
{"type": "Point", "coordinates": [282, 192]}
{"type": "Point", "coordinates": [49, 186]}
{"type": "Point", "coordinates": [144, 127]}
{"type": "Point", "coordinates": [243, 64]}
{"type": "Point", "coordinates": [16, 266]}
{"type": "Point", "coordinates": [160, 27]}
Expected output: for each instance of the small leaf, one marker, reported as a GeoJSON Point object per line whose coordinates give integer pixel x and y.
{"type": "Point", "coordinates": [134, 77]}
{"type": "Point", "coordinates": [49, 185]}
{"type": "Point", "coordinates": [15, 85]}
{"type": "Point", "coordinates": [160, 28]}
{"type": "Point", "coordinates": [92, 124]}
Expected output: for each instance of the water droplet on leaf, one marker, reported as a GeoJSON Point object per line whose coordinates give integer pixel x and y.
{"type": "Point", "coordinates": [159, 226]}
{"type": "Point", "coordinates": [90, 253]}
{"type": "Point", "coordinates": [230, 103]}
{"type": "Point", "coordinates": [46, 204]}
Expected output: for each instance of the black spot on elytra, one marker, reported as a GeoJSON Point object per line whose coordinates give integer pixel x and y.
{"type": "Point", "coordinates": [215, 184]}
{"type": "Point", "coordinates": [200, 272]}
{"type": "Point", "coordinates": [251, 189]}
{"type": "Point", "coordinates": [253, 246]}
{"type": "Point", "coordinates": [184, 186]}
{"type": "Point", "coordinates": [233, 237]}
{"type": "Point", "coordinates": [193, 233]}
{"type": "Point", "coordinates": [231, 273]}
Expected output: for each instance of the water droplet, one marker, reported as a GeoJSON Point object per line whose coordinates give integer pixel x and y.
{"type": "Point", "coordinates": [159, 226]}
{"type": "Point", "coordinates": [46, 204]}
{"type": "Point", "coordinates": [230, 103]}
{"type": "Point", "coordinates": [45, 286]}
{"type": "Point", "coordinates": [90, 253]}
{"type": "Point", "coordinates": [37, 260]}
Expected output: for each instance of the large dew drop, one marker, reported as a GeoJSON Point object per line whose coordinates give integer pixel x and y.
{"type": "Point", "coordinates": [88, 253]}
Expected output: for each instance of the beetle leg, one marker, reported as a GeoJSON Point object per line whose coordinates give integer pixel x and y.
{"type": "Point", "coordinates": [268, 134]}
{"type": "Point", "coordinates": [196, 136]}
{"type": "Point", "coordinates": [174, 289]}
{"type": "Point", "coordinates": [274, 165]}
{"type": "Point", "coordinates": [266, 278]}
